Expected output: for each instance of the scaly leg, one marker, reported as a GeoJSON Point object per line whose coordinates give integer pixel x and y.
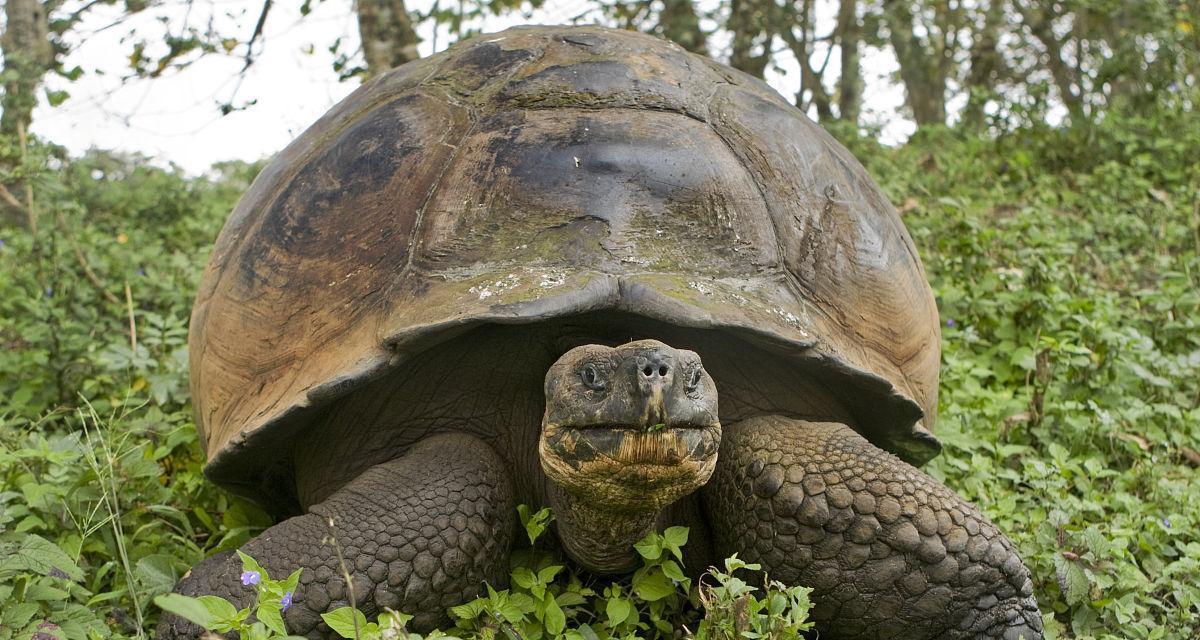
{"type": "Point", "coordinates": [889, 551]}
{"type": "Point", "coordinates": [418, 534]}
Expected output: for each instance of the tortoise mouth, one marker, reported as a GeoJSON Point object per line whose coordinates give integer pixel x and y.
{"type": "Point", "coordinates": [629, 468]}
{"type": "Point", "coordinates": [657, 444]}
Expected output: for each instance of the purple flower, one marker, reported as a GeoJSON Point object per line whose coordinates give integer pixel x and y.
{"type": "Point", "coordinates": [251, 577]}
{"type": "Point", "coordinates": [286, 601]}
{"type": "Point", "coordinates": [46, 631]}
{"type": "Point", "coordinates": [141, 271]}
{"type": "Point", "coordinates": [49, 293]}
{"type": "Point", "coordinates": [949, 322]}
{"type": "Point", "coordinates": [1167, 522]}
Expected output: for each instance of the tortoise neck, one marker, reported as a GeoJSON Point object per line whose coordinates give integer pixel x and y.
{"type": "Point", "coordinates": [599, 539]}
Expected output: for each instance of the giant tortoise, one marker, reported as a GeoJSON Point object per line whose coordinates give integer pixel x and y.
{"type": "Point", "coordinates": [520, 271]}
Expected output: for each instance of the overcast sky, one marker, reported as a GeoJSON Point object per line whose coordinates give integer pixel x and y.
{"type": "Point", "coordinates": [177, 118]}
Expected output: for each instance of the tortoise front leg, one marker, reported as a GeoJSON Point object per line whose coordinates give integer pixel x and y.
{"type": "Point", "coordinates": [889, 551]}
{"type": "Point", "coordinates": [418, 534]}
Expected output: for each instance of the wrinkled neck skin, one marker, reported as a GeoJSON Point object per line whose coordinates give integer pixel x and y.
{"type": "Point", "coordinates": [597, 538]}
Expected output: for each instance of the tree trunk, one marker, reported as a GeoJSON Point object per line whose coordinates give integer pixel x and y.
{"type": "Point", "coordinates": [986, 66]}
{"type": "Point", "coordinates": [679, 23]}
{"type": "Point", "coordinates": [388, 37]}
{"type": "Point", "coordinates": [27, 57]}
{"type": "Point", "coordinates": [850, 83]}
{"type": "Point", "coordinates": [924, 86]}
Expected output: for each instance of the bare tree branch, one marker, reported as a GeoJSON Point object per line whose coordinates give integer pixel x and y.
{"type": "Point", "coordinates": [1039, 23]}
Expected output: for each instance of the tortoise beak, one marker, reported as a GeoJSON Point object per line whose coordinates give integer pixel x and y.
{"type": "Point", "coordinates": [653, 373]}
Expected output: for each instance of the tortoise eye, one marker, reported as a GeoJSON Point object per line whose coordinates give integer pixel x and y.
{"type": "Point", "coordinates": [693, 382]}
{"type": "Point", "coordinates": [591, 377]}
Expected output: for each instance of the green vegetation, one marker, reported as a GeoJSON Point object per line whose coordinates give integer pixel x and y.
{"type": "Point", "coordinates": [264, 619]}
{"type": "Point", "coordinates": [102, 500]}
{"type": "Point", "coordinates": [1066, 265]}
{"type": "Point", "coordinates": [545, 601]}
{"type": "Point", "coordinates": [1067, 270]}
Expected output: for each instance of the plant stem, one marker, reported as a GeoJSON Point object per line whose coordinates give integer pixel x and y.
{"type": "Point", "coordinates": [132, 324]}
{"type": "Point", "coordinates": [337, 548]}
{"type": "Point", "coordinates": [108, 489]}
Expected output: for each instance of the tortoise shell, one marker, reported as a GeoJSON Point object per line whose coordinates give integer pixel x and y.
{"type": "Point", "coordinates": [542, 172]}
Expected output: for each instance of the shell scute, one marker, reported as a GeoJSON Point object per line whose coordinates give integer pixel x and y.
{"type": "Point", "coordinates": [315, 265]}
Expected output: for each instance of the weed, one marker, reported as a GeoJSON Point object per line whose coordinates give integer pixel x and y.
{"type": "Point", "coordinates": [545, 601]}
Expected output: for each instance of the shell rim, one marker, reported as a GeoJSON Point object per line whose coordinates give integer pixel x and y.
{"type": "Point", "coordinates": [903, 435]}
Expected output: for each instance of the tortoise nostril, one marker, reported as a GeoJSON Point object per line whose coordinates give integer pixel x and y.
{"type": "Point", "coordinates": [653, 366]}
{"type": "Point", "coordinates": [662, 371]}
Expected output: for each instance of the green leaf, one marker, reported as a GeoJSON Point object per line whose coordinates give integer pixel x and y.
{"type": "Point", "coordinates": [546, 574]}
{"type": "Point", "coordinates": [511, 613]}
{"type": "Point", "coordinates": [270, 615]}
{"type": "Point", "coordinates": [258, 631]}
{"type": "Point", "coordinates": [649, 547]}
{"type": "Point", "coordinates": [555, 620]}
{"type": "Point", "coordinates": [516, 606]}
{"type": "Point", "coordinates": [394, 619]}
{"type": "Point", "coordinates": [588, 632]}
{"type": "Point", "coordinates": [342, 621]}
{"type": "Point", "coordinates": [45, 593]}
{"type": "Point", "coordinates": [38, 555]}
{"type": "Point", "coordinates": [569, 599]}
{"type": "Point", "coordinates": [652, 585]}
{"type": "Point", "coordinates": [470, 610]}
{"type": "Point", "coordinates": [776, 604]}
{"type": "Point", "coordinates": [676, 536]}
{"type": "Point", "coordinates": [618, 610]}
{"type": "Point", "coordinates": [188, 608]}
{"type": "Point", "coordinates": [523, 577]}
{"type": "Point", "coordinates": [221, 608]}
{"type": "Point", "coordinates": [535, 524]}
{"type": "Point", "coordinates": [733, 563]}
{"type": "Point", "coordinates": [19, 615]}
{"type": "Point", "coordinates": [1147, 376]}
{"type": "Point", "coordinates": [56, 98]}
{"type": "Point", "coordinates": [673, 571]}
{"type": "Point", "coordinates": [1072, 580]}
{"type": "Point", "coordinates": [1096, 543]}
{"type": "Point", "coordinates": [156, 572]}
{"type": "Point", "coordinates": [292, 580]}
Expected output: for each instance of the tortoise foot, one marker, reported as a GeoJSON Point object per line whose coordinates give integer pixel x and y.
{"type": "Point", "coordinates": [888, 551]}
{"type": "Point", "coordinates": [417, 534]}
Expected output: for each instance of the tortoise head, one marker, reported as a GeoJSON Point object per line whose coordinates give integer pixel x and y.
{"type": "Point", "coordinates": [632, 427]}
